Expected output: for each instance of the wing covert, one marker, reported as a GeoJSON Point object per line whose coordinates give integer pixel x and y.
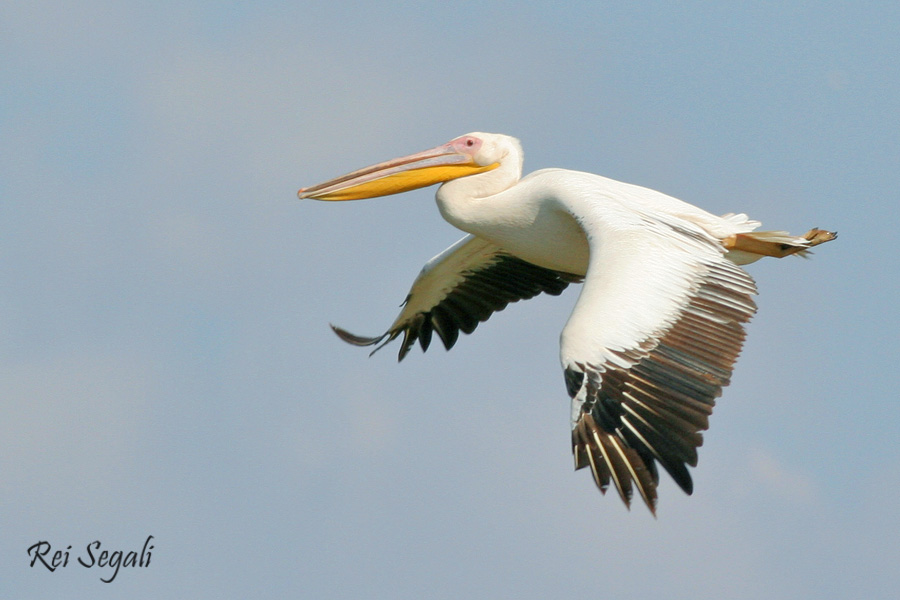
{"type": "Point", "coordinates": [460, 288]}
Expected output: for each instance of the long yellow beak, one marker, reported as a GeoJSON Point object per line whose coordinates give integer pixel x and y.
{"type": "Point", "coordinates": [398, 175]}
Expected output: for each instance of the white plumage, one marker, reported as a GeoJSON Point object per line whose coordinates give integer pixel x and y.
{"type": "Point", "coordinates": [659, 322]}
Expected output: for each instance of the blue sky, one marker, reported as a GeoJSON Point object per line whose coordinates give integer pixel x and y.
{"type": "Point", "coordinates": [167, 367]}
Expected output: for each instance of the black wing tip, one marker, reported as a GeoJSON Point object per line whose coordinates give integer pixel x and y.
{"type": "Point", "coordinates": [648, 494]}
{"type": "Point", "coordinates": [612, 461]}
{"type": "Point", "coordinates": [356, 340]}
{"type": "Point", "coordinates": [361, 340]}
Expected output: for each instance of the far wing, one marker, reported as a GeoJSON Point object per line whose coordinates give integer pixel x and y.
{"type": "Point", "coordinates": [651, 342]}
{"type": "Point", "coordinates": [460, 288]}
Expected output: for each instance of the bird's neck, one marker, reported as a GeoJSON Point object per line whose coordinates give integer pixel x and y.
{"type": "Point", "coordinates": [478, 201]}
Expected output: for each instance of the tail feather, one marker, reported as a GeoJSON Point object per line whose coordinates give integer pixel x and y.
{"type": "Point", "coordinates": [742, 220]}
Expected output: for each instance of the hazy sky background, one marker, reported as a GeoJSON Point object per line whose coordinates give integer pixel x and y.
{"type": "Point", "coordinates": [167, 367]}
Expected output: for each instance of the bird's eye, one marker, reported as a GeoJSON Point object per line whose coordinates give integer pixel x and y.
{"type": "Point", "coordinates": [470, 142]}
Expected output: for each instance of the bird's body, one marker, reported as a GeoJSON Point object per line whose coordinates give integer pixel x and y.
{"type": "Point", "coordinates": [542, 219]}
{"type": "Point", "coordinates": [657, 327]}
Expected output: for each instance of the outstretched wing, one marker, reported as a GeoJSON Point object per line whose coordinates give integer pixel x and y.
{"type": "Point", "coordinates": [460, 288]}
{"type": "Point", "coordinates": [651, 342]}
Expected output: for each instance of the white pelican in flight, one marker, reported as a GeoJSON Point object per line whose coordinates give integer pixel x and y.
{"type": "Point", "coordinates": [659, 323]}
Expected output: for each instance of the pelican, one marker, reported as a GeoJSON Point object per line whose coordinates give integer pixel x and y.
{"type": "Point", "coordinates": [659, 322]}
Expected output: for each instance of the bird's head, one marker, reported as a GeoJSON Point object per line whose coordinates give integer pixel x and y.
{"type": "Point", "coordinates": [467, 155]}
